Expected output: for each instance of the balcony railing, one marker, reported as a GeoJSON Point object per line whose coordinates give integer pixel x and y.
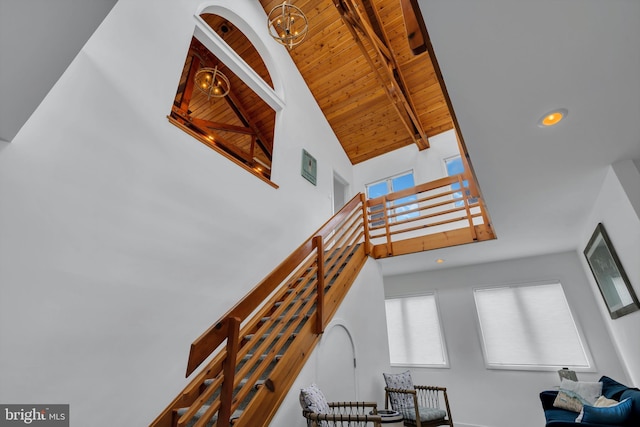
{"type": "Point", "coordinates": [442, 213]}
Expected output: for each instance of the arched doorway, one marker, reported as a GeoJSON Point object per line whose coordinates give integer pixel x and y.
{"type": "Point", "coordinates": [336, 375]}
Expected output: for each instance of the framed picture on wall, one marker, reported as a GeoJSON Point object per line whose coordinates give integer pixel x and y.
{"type": "Point", "coordinates": [309, 168]}
{"type": "Point", "coordinates": [611, 278]}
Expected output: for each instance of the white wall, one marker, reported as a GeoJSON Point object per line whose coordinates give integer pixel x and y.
{"type": "Point", "coordinates": [427, 165]}
{"type": "Point", "coordinates": [502, 398]}
{"type": "Point", "coordinates": [362, 314]}
{"type": "Point", "coordinates": [618, 208]}
{"type": "Point", "coordinates": [122, 238]}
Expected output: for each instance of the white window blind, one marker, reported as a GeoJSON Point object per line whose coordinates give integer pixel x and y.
{"type": "Point", "coordinates": [415, 335]}
{"type": "Point", "coordinates": [529, 327]}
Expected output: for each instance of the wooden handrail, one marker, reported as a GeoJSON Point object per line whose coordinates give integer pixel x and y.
{"type": "Point", "coordinates": [281, 319]}
{"type": "Point", "coordinates": [275, 309]}
{"type": "Point", "coordinates": [342, 215]}
{"type": "Point", "coordinates": [206, 343]}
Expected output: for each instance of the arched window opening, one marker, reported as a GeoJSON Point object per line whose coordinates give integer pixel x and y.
{"type": "Point", "coordinates": [239, 43]}
{"type": "Point", "coordinates": [239, 125]}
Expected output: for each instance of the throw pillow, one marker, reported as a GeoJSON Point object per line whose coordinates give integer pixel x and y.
{"type": "Point", "coordinates": [568, 402]}
{"type": "Point", "coordinates": [573, 395]}
{"type": "Point", "coordinates": [312, 399]}
{"type": "Point", "coordinates": [400, 381]}
{"type": "Point", "coordinates": [610, 415]}
{"type": "Point", "coordinates": [612, 388]}
{"type": "Point", "coordinates": [603, 402]}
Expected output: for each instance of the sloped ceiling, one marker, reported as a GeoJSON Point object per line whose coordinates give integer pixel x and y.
{"type": "Point", "coordinates": [504, 62]}
{"type": "Point", "coordinates": [38, 41]}
{"type": "Point", "coordinates": [375, 93]}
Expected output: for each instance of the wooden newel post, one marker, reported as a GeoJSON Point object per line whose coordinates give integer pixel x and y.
{"type": "Point", "coordinates": [467, 209]}
{"type": "Point", "coordinates": [319, 244]}
{"type": "Point", "coordinates": [229, 372]}
{"type": "Point", "coordinates": [387, 227]}
{"type": "Point", "coordinates": [365, 222]}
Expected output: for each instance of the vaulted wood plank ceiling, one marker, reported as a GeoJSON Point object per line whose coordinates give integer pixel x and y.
{"type": "Point", "coordinates": [376, 94]}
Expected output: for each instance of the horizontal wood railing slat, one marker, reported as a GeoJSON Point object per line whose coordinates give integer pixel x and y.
{"type": "Point", "coordinates": [434, 224]}
{"type": "Point", "coordinates": [422, 188]}
{"type": "Point", "coordinates": [428, 216]}
{"type": "Point", "coordinates": [344, 213]}
{"type": "Point", "coordinates": [260, 350]}
{"type": "Point", "coordinates": [431, 224]}
{"type": "Point", "coordinates": [202, 399]}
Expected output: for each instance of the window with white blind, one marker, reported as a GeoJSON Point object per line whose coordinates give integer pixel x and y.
{"type": "Point", "coordinates": [415, 333]}
{"type": "Point", "coordinates": [529, 327]}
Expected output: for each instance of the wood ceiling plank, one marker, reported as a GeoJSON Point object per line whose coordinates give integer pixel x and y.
{"type": "Point", "coordinates": [366, 120]}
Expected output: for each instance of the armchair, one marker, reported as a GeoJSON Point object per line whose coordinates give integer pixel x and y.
{"type": "Point", "coordinates": [320, 413]}
{"type": "Point", "coordinates": [419, 405]}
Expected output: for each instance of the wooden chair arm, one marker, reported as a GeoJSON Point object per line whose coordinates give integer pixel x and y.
{"type": "Point", "coordinates": [429, 387]}
{"type": "Point", "coordinates": [341, 417]}
{"type": "Point", "coordinates": [400, 390]}
{"type": "Point", "coordinates": [373, 405]}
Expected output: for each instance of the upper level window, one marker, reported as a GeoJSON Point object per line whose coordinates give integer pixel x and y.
{"type": "Point", "coordinates": [529, 327]}
{"type": "Point", "coordinates": [455, 166]}
{"type": "Point", "coordinates": [240, 124]}
{"type": "Point", "coordinates": [415, 333]}
{"type": "Point", "coordinates": [389, 185]}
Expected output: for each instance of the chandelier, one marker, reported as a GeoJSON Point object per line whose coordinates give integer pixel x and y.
{"type": "Point", "coordinates": [287, 24]}
{"type": "Point", "coordinates": [212, 82]}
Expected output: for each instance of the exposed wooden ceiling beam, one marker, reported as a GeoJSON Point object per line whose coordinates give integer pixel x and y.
{"type": "Point", "coordinates": [187, 93]}
{"type": "Point", "coordinates": [414, 25]}
{"type": "Point", "coordinates": [399, 75]}
{"type": "Point", "coordinates": [223, 126]}
{"type": "Point", "coordinates": [388, 72]}
{"type": "Point", "coordinates": [211, 137]}
{"type": "Point", "coordinates": [236, 105]}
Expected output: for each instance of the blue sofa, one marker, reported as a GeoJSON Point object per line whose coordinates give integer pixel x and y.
{"type": "Point", "coordinates": [611, 389]}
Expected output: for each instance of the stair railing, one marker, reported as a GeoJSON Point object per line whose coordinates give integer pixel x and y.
{"type": "Point", "coordinates": [288, 310]}
{"type": "Point", "coordinates": [256, 349]}
{"type": "Point", "coordinates": [441, 213]}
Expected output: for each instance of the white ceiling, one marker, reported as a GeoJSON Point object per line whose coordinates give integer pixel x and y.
{"type": "Point", "coordinates": [38, 41]}
{"type": "Point", "coordinates": [505, 63]}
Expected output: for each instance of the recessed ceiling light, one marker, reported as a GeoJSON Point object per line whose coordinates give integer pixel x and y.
{"type": "Point", "coordinates": [553, 117]}
{"type": "Point", "coordinates": [440, 261]}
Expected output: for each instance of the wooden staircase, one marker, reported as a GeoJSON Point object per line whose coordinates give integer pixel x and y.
{"type": "Point", "coordinates": [251, 356]}
{"type": "Point", "coordinates": [264, 341]}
